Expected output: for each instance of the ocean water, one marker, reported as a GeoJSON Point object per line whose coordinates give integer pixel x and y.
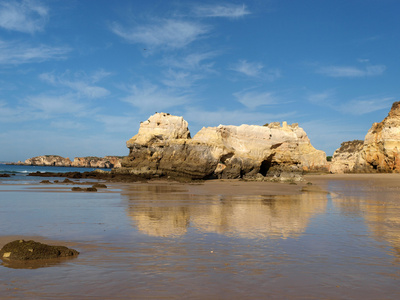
{"type": "Point", "coordinates": [19, 174]}
{"type": "Point", "coordinates": [162, 241]}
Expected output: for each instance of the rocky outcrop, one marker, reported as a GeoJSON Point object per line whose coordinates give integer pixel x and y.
{"type": "Point", "coordinates": [48, 160]}
{"type": "Point", "coordinates": [346, 157]}
{"type": "Point", "coordinates": [97, 162]}
{"type": "Point", "coordinates": [163, 147]}
{"type": "Point", "coordinates": [380, 151]}
{"type": "Point", "coordinates": [79, 162]}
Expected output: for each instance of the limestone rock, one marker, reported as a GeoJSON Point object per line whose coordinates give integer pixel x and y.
{"type": "Point", "coordinates": [163, 147]}
{"type": "Point", "coordinates": [97, 162]}
{"type": "Point", "coordinates": [160, 127]}
{"type": "Point", "coordinates": [48, 160]}
{"type": "Point", "coordinates": [380, 151]}
{"type": "Point", "coordinates": [346, 157]}
{"type": "Point", "coordinates": [80, 162]}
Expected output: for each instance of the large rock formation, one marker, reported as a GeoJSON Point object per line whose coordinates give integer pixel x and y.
{"type": "Point", "coordinates": [163, 147]}
{"type": "Point", "coordinates": [346, 157]}
{"type": "Point", "coordinates": [380, 151]}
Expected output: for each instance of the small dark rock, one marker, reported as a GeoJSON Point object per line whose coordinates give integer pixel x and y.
{"type": "Point", "coordinates": [5, 175]}
{"type": "Point", "coordinates": [45, 182]}
{"type": "Point", "coordinates": [77, 189]}
{"type": "Point", "coordinates": [66, 180]}
{"type": "Point", "coordinates": [99, 186]}
{"type": "Point", "coordinates": [31, 250]}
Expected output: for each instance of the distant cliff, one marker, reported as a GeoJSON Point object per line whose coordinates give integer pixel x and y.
{"type": "Point", "coordinates": [379, 152]}
{"type": "Point", "coordinates": [163, 147]}
{"type": "Point", "coordinates": [80, 162]}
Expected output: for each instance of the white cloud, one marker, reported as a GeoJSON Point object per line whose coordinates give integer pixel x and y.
{"type": "Point", "coordinates": [168, 33]}
{"type": "Point", "coordinates": [255, 70]}
{"type": "Point", "coordinates": [249, 69]}
{"type": "Point", "coordinates": [253, 99]}
{"type": "Point", "coordinates": [322, 98]}
{"type": "Point", "coordinates": [67, 124]}
{"type": "Point", "coordinates": [42, 106]}
{"type": "Point", "coordinates": [227, 10]}
{"type": "Point", "coordinates": [151, 97]}
{"type": "Point", "coordinates": [346, 71]}
{"type": "Point", "coordinates": [25, 16]}
{"type": "Point", "coordinates": [83, 85]}
{"type": "Point", "coordinates": [193, 61]}
{"type": "Point", "coordinates": [16, 53]}
{"type": "Point", "coordinates": [48, 106]}
{"type": "Point", "coordinates": [120, 123]}
{"type": "Point", "coordinates": [176, 79]}
{"type": "Point", "coordinates": [358, 106]}
{"type": "Point", "coordinates": [363, 106]}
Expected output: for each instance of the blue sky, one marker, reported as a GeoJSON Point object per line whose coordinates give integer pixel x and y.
{"type": "Point", "coordinates": [77, 77]}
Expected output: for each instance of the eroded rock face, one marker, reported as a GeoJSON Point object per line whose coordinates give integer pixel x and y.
{"type": "Point", "coordinates": [346, 157]}
{"type": "Point", "coordinates": [380, 151]}
{"type": "Point", "coordinates": [97, 162]}
{"type": "Point", "coordinates": [80, 162]}
{"type": "Point", "coordinates": [48, 160]}
{"type": "Point", "coordinates": [163, 147]}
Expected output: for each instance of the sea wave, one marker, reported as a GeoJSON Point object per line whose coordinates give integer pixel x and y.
{"type": "Point", "coordinates": [14, 172]}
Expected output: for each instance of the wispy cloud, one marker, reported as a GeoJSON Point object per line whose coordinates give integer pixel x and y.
{"type": "Point", "coordinates": [167, 33]}
{"type": "Point", "coordinates": [348, 71]}
{"type": "Point", "coordinates": [25, 16]}
{"type": "Point", "coordinates": [256, 70]}
{"type": "Point", "coordinates": [42, 106]}
{"type": "Point", "coordinates": [227, 10]}
{"type": "Point", "coordinates": [49, 106]}
{"type": "Point", "coordinates": [16, 53]}
{"type": "Point", "coordinates": [120, 123]}
{"type": "Point", "coordinates": [322, 98]}
{"type": "Point", "coordinates": [178, 79]}
{"type": "Point", "coordinates": [249, 69]}
{"type": "Point", "coordinates": [327, 135]}
{"type": "Point", "coordinates": [363, 106]}
{"type": "Point", "coordinates": [83, 85]}
{"type": "Point", "coordinates": [358, 106]}
{"type": "Point", "coordinates": [193, 61]}
{"type": "Point", "coordinates": [152, 97]}
{"type": "Point", "coordinates": [67, 124]}
{"type": "Point", "coordinates": [254, 99]}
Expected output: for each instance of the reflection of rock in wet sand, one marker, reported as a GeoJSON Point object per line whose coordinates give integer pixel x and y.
{"type": "Point", "coordinates": [380, 208]}
{"type": "Point", "coordinates": [273, 217]}
{"type": "Point", "coordinates": [170, 213]}
{"type": "Point", "coordinates": [161, 221]}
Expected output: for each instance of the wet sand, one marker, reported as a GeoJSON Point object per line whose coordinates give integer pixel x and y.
{"type": "Point", "coordinates": [211, 240]}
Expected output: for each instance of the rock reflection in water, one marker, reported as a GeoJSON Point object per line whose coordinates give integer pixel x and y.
{"type": "Point", "coordinates": [169, 211]}
{"type": "Point", "coordinates": [379, 208]}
